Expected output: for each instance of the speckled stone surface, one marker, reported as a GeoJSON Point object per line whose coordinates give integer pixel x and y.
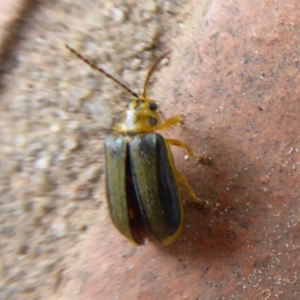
{"type": "Point", "coordinates": [236, 80]}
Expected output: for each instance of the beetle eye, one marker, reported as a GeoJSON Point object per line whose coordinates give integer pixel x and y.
{"type": "Point", "coordinates": [152, 121]}
{"type": "Point", "coordinates": [152, 106]}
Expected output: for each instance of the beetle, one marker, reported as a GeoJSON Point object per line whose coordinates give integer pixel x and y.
{"type": "Point", "coordinates": [142, 182]}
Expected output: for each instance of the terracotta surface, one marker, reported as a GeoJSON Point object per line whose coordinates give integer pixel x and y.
{"type": "Point", "coordinates": [236, 81]}
{"type": "Point", "coordinates": [234, 75]}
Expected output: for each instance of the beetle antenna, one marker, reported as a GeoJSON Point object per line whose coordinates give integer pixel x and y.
{"type": "Point", "coordinates": [93, 66]}
{"type": "Point", "coordinates": [144, 94]}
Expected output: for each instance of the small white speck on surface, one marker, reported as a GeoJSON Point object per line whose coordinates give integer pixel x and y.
{"type": "Point", "coordinates": [135, 63]}
{"type": "Point", "coordinates": [21, 141]}
{"type": "Point", "coordinates": [118, 14]}
{"type": "Point", "coordinates": [43, 163]}
{"type": "Point", "coordinates": [55, 127]}
{"type": "Point", "coordinates": [150, 6]}
{"type": "Point", "coordinates": [59, 228]}
{"type": "Point", "coordinates": [71, 143]}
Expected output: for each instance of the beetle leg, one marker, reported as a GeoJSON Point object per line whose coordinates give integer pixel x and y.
{"type": "Point", "coordinates": [201, 159]}
{"type": "Point", "coordinates": [167, 124]}
{"type": "Point", "coordinates": [192, 195]}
